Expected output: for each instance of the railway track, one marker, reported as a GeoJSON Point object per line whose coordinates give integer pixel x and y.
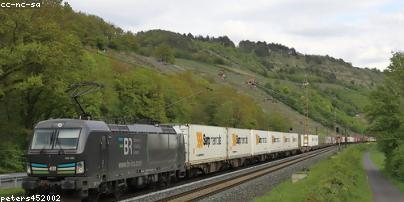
{"type": "Point", "coordinates": [225, 184]}
{"type": "Point", "coordinates": [221, 185]}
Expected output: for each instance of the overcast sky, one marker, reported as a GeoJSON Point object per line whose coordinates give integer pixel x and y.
{"type": "Point", "coordinates": [363, 32]}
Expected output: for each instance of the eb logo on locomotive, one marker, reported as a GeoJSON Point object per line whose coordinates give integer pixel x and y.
{"type": "Point", "coordinates": [128, 145]}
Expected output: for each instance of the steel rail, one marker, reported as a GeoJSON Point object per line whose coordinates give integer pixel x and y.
{"type": "Point", "coordinates": [219, 186]}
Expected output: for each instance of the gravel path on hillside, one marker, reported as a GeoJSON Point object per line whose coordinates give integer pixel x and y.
{"type": "Point", "coordinates": [382, 189]}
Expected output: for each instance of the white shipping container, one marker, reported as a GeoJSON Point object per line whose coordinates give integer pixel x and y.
{"type": "Point", "coordinates": [313, 140]}
{"type": "Point", "coordinates": [277, 142]}
{"type": "Point", "coordinates": [260, 142]}
{"type": "Point", "coordinates": [239, 142]}
{"type": "Point", "coordinates": [328, 140]}
{"type": "Point", "coordinates": [204, 143]}
{"type": "Point", "coordinates": [304, 140]}
{"type": "Point", "coordinates": [291, 140]}
{"type": "Point", "coordinates": [309, 140]}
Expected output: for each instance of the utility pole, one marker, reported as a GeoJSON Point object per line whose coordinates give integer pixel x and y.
{"type": "Point", "coordinates": [346, 138]}
{"type": "Point", "coordinates": [335, 129]}
{"type": "Point", "coordinates": [306, 119]}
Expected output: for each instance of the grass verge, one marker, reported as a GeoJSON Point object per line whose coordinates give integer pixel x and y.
{"type": "Point", "coordinates": [11, 191]}
{"type": "Point", "coordinates": [340, 178]}
{"type": "Point", "coordinates": [378, 158]}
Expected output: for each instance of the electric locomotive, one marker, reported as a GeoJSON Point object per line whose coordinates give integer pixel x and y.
{"type": "Point", "coordinates": [89, 157]}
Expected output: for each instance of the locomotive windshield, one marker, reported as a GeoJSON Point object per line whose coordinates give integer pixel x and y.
{"type": "Point", "coordinates": [55, 139]}
{"type": "Point", "coordinates": [42, 139]}
{"type": "Point", "coordinates": [67, 139]}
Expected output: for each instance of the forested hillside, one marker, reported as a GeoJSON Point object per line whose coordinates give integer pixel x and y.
{"type": "Point", "coordinates": [163, 76]}
{"type": "Point", "coordinates": [335, 86]}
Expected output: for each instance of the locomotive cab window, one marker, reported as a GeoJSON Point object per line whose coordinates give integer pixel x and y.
{"type": "Point", "coordinates": [67, 139]}
{"type": "Point", "coordinates": [55, 139]}
{"type": "Point", "coordinates": [42, 139]}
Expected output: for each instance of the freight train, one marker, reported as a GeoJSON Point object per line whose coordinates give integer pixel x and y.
{"type": "Point", "coordinates": [88, 158]}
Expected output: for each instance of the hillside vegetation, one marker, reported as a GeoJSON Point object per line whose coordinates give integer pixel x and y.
{"type": "Point", "coordinates": [163, 76]}
{"type": "Point", "coordinates": [336, 88]}
{"type": "Point", "coordinates": [385, 113]}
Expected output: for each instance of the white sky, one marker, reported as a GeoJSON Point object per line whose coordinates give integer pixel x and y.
{"type": "Point", "coordinates": [363, 32]}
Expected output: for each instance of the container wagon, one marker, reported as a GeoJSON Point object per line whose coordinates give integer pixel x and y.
{"type": "Point", "coordinates": [205, 148]}
{"type": "Point", "coordinates": [262, 144]}
{"type": "Point", "coordinates": [239, 143]}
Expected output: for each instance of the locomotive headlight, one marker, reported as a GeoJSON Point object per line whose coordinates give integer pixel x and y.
{"type": "Point", "coordinates": [28, 169]}
{"type": "Point", "coordinates": [80, 167]}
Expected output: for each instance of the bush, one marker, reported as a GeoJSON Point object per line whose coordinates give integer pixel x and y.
{"type": "Point", "coordinates": [397, 161]}
{"type": "Point", "coordinates": [164, 53]}
{"type": "Point", "coordinates": [11, 158]}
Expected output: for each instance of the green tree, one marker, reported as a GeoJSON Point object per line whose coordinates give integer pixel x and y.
{"type": "Point", "coordinates": [386, 115]}
{"type": "Point", "coordinates": [164, 54]}
{"type": "Point", "coordinates": [38, 60]}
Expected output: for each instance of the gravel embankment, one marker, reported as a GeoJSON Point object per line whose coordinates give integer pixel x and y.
{"type": "Point", "coordinates": [253, 188]}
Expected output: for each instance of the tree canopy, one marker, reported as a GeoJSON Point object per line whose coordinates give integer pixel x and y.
{"type": "Point", "coordinates": [43, 51]}
{"type": "Point", "coordinates": [386, 116]}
